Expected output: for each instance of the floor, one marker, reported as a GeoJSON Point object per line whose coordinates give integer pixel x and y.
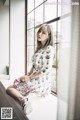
{"type": "Point", "coordinates": [44, 108]}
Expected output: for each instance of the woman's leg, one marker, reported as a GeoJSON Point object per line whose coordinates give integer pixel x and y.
{"type": "Point", "coordinates": [14, 93]}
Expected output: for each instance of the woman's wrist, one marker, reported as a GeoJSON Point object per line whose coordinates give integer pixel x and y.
{"type": "Point", "coordinates": [28, 73]}
{"type": "Point", "coordinates": [30, 77]}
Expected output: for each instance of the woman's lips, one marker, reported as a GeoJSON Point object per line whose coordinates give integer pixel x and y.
{"type": "Point", "coordinates": [39, 38]}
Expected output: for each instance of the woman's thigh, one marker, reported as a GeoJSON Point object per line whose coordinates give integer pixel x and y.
{"type": "Point", "coordinates": [10, 86]}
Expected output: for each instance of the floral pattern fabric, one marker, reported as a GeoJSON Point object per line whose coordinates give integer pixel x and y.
{"type": "Point", "coordinates": [42, 62]}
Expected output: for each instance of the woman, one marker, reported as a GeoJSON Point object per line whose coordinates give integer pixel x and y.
{"type": "Point", "coordinates": [38, 79]}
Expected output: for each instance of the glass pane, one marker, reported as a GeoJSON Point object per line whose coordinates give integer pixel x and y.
{"type": "Point", "coordinates": [65, 7]}
{"type": "Point", "coordinates": [50, 10]}
{"type": "Point", "coordinates": [38, 2]}
{"type": "Point", "coordinates": [53, 77]}
{"type": "Point", "coordinates": [30, 5]}
{"type": "Point", "coordinates": [53, 80]}
{"type": "Point", "coordinates": [30, 37]}
{"type": "Point", "coordinates": [4, 40]}
{"type": "Point", "coordinates": [30, 20]}
{"type": "Point", "coordinates": [39, 15]}
{"type": "Point", "coordinates": [59, 31]}
{"type": "Point", "coordinates": [29, 65]}
{"type": "Point", "coordinates": [53, 25]}
{"type": "Point", "coordinates": [59, 7]}
{"type": "Point", "coordinates": [66, 29]}
{"type": "Point", "coordinates": [30, 52]}
{"type": "Point", "coordinates": [36, 36]}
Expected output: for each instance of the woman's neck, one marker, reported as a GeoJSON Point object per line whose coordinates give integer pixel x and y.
{"type": "Point", "coordinates": [43, 43]}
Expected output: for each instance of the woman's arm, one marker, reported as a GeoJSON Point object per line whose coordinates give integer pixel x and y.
{"type": "Point", "coordinates": [31, 70]}
{"type": "Point", "coordinates": [26, 77]}
{"type": "Point", "coordinates": [47, 66]}
{"type": "Point", "coordinates": [30, 77]}
{"type": "Point", "coordinates": [36, 76]}
{"type": "Point", "coordinates": [33, 76]}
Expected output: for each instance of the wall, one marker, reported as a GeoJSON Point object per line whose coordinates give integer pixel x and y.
{"type": "Point", "coordinates": [17, 38]}
{"type": "Point", "coordinates": [4, 38]}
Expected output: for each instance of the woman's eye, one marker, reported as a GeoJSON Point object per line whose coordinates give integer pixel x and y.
{"type": "Point", "coordinates": [39, 31]}
{"type": "Point", "coordinates": [43, 32]}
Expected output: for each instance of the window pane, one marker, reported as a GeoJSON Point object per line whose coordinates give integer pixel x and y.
{"type": "Point", "coordinates": [30, 5]}
{"type": "Point", "coordinates": [30, 37]}
{"type": "Point", "coordinates": [59, 7]}
{"type": "Point", "coordinates": [53, 80]}
{"type": "Point", "coordinates": [53, 25]}
{"type": "Point", "coordinates": [50, 10]}
{"type": "Point", "coordinates": [66, 29]}
{"type": "Point", "coordinates": [53, 77]}
{"type": "Point", "coordinates": [30, 52]}
{"type": "Point", "coordinates": [59, 31]}
{"type": "Point", "coordinates": [65, 7]}
{"type": "Point", "coordinates": [36, 30]}
{"type": "Point", "coordinates": [38, 2]}
{"type": "Point", "coordinates": [39, 15]}
{"type": "Point", "coordinates": [30, 20]}
{"type": "Point", "coordinates": [29, 65]}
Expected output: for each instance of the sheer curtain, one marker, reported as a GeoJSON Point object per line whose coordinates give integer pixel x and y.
{"type": "Point", "coordinates": [69, 66]}
{"type": "Point", "coordinates": [74, 80]}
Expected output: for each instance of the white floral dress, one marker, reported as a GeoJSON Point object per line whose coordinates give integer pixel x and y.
{"type": "Point", "coordinates": [42, 62]}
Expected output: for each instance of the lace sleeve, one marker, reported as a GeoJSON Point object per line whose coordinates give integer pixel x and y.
{"type": "Point", "coordinates": [48, 60]}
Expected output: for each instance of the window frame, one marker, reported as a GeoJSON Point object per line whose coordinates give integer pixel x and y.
{"type": "Point", "coordinates": [48, 22]}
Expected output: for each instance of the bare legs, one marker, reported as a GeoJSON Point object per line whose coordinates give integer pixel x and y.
{"type": "Point", "coordinates": [15, 93]}
{"type": "Point", "coordinates": [23, 100]}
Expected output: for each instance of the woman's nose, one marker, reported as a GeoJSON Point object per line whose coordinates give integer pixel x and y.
{"type": "Point", "coordinates": [39, 34]}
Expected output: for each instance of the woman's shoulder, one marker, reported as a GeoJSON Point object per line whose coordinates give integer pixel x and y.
{"type": "Point", "coordinates": [49, 48]}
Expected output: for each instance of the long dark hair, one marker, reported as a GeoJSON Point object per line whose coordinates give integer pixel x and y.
{"type": "Point", "coordinates": [49, 40]}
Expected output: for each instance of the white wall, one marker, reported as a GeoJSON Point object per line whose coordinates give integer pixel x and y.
{"type": "Point", "coordinates": [4, 38]}
{"type": "Point", "coordinates": [17, 38]}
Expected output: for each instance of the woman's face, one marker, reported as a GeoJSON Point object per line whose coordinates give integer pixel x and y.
{"type": "Point", "coordinates": [42, 34]}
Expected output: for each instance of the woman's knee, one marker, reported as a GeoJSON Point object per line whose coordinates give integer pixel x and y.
{"type": "Point", "coordinates": [9, 88]}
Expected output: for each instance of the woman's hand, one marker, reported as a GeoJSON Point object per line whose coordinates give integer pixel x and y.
{"type": "Point", "coordinates": [24, 78]}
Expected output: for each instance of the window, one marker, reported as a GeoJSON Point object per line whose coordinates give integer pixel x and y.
{"type": "Point", "coordinates": [38, 12]}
